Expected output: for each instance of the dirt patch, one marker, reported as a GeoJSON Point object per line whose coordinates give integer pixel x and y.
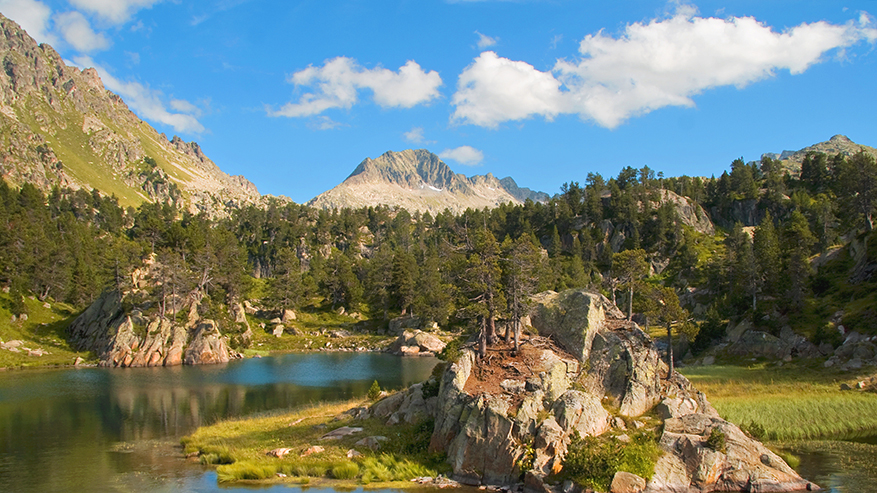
{"type": "Point", "coordinates": [501, 364]}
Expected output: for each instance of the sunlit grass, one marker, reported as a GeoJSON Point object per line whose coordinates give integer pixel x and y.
{"type": "Point", "coordinates": [238, 448]}
{"type": "Point", "coordinates": [788, 403]}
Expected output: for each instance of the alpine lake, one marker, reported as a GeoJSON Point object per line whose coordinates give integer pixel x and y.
{"type": "Point", "coordinates": [118, 430]}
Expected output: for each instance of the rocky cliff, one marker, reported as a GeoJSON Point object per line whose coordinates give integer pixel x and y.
{"type": "Point", "coordinates": [418, 180]}
{"type": "Point", "coordinates": [60, 126]}
{"type": "Point", "coordinates": [592, 373]}
{"type": "Point", "coordinates": [138, 328]}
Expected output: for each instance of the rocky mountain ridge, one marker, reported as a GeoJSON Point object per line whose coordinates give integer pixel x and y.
{"type": "Point", "coordinates": [837, 144]}
{"type": "Point", "coordinates": [419, 180]}
{"type": "Point", "coordinates": [60, 126]}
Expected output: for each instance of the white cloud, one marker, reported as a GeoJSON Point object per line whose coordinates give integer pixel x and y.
{"type": "Point", "coordinates": [494, 89]}
{"type": "Point", "coordinates": [339, 80]}
{"type": "Point", "coordinates": [323, 122]}
{"type": "Point", "coordinates": [415, 135]}
{"type": "Point", "coordinates": [113, 11]}
{"type": "Point", "coordinates": [465, 155]}
{"type": "Point", "coordinates": [485, 41]}
{"type": "Point", "coordinates": [649, 66]}
{"type": "Point", "coordinates": [32, 16]}
{"type": "Point", "coordinates": [147, 103]}
{"type": "Point", "coordinates": [77, 32]}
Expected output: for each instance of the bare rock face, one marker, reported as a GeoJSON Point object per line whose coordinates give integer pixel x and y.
{"type": "Point", "coordinates": [572, 317]}
{"type": "Point", "coordinates": [492, 418]}
{"type": "Point", "coordinates": [122, 336]}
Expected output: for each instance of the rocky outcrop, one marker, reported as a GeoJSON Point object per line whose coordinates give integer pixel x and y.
{"type": "Point", "coordinates": [690, 213]}
{"type": "Point", "coordinates": [124, 336]}
{"type": "Point", "coordinates": [513, 416]}
{"type": "Point", "coordinates": [418, 180]}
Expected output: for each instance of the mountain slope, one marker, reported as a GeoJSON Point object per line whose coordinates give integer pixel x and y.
{"type": "Point", "coordinates": [419, 180]}
{"type": "Point", "coordinates": [59, 125]}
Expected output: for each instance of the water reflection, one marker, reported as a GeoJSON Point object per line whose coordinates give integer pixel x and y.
{"type": "Point", "coordinates": [60, 429]}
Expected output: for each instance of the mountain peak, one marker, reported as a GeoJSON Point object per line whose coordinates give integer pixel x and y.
{"type": "Point", "coordinates": [415, 179]}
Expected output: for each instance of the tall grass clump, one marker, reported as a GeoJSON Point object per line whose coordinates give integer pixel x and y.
{"type": "Point", "coordinates": [386, 467]}
{"type": "Point", "coordinates": [345, 470]}
{"type": "Point", "coordinates": [245, 470]}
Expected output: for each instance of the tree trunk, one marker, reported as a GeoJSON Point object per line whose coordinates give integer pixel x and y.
{"type": "Point", "coordinates": [482, 340]}
{"type": "Point", "coordinates": [517, 334]}
{"type": "Point", "coordinates": [670, 351]}
{"type": "Point", "coordinates": [630, 304]}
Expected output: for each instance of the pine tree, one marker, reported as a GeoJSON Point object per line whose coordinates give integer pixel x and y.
{"type": "Point", "coordinates": [628, 268]}
{"type": "Point", "coordinates": [799, 240]}
{"type": "Point", "coordinates": [766, 250]}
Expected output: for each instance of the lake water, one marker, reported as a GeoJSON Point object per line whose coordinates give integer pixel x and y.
{"type": "Point", "coordinates": [118, 430]}
{"type": "Point", "coordinates": [99, 429]}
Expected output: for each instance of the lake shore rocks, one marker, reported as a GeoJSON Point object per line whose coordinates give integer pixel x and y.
{"type": "Point", "coordinates": [124, 335]}
{"type": "Point", "coordinates": [416, 343]}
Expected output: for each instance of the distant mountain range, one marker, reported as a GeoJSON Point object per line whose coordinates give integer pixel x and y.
{"type": "Point", "coordinates": [60, 126]}
{"type": "Point", "coordinates": [418, 180]}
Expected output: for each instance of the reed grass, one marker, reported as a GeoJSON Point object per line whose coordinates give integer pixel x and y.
{"type": "Point", "coordinates": [797, 403]}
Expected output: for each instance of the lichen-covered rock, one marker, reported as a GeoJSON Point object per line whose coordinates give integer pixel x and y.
{"type": "Point", "coordinates": [579, 412]}
{"type": "Point", "coordinates": [572, 318]}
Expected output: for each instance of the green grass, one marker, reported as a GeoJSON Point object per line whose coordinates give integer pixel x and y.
{"type": "Point", "coordinates": [239, 448]}
{"type": "Point", "coordinates": [45, 328]}
{"type": "Point", "coordinates": [789, 403]}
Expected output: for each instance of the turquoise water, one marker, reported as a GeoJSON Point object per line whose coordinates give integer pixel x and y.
{"type": "Point", "coordinates": [98, 429]}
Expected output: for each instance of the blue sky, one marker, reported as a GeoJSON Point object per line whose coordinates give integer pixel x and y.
{"type": "Point", "coordinates": [293, 95]}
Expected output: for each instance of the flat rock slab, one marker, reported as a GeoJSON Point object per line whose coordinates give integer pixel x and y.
{"type": "Point", "coordinates": [342, 432]}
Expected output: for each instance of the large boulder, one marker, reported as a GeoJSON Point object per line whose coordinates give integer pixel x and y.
{"type": "Point", "coordinates": [690, 463]}
{"type": "Point", "coordinates": [207, 345]}
{"type": "Point", "coordinates": [572, 318]}
{"type": "Point", "coordinates": [424, 343]}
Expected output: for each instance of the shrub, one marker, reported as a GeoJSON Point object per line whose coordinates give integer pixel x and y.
{"type": "Point", "coordinates": [755, 430]}
{"type": "Point", "coordinates": [451, 352]}
{"type": "Point", "coordinates": [345, 470]}
{"type": "Point", "coordinates": [375, 391]}
{"type": "Point", "coordinates": [593, 461]}
{"type": "Point", "coordinates": [716, 440]}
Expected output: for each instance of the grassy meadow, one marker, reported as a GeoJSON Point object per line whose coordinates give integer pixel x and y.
{"type": "Point", "coordinates": [45, 328]}
{"type": "Point", "coordinates": [793, 402]}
